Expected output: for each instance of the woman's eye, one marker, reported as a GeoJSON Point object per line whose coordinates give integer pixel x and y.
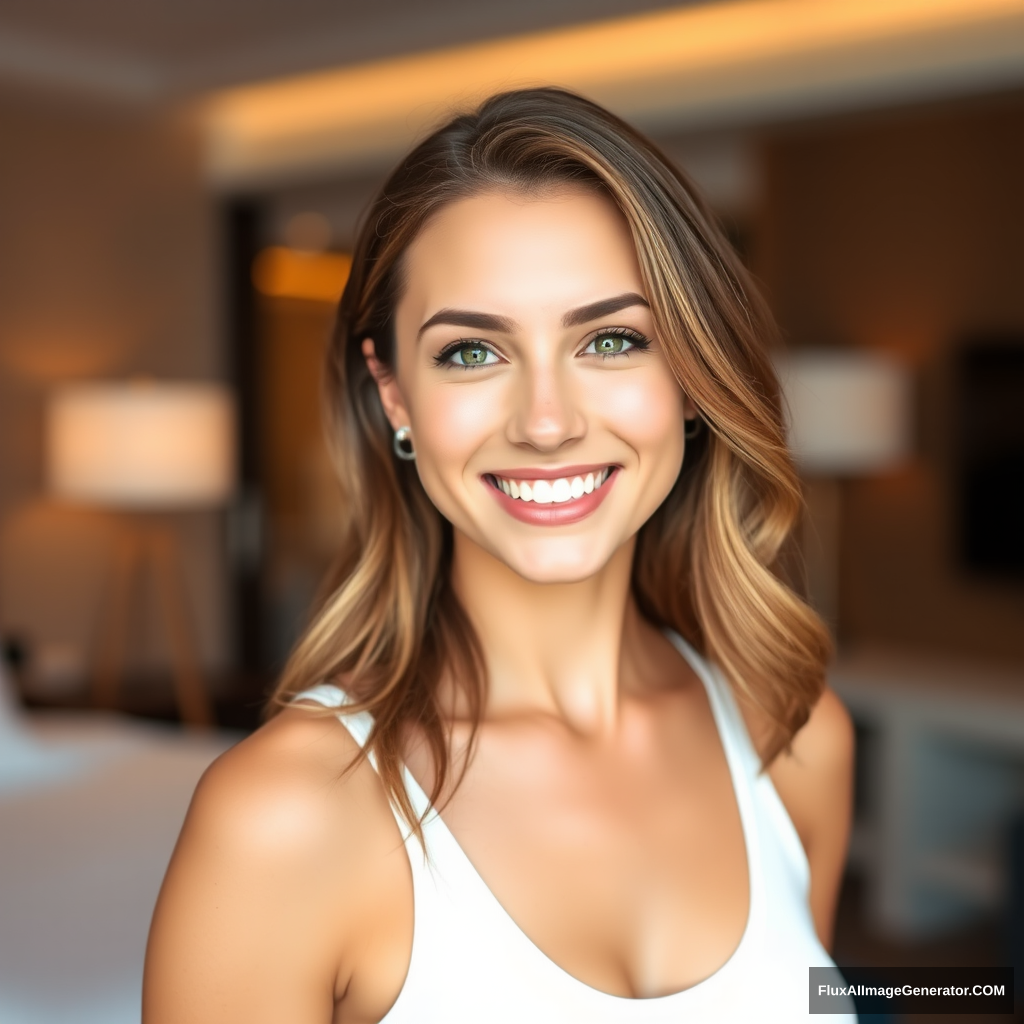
{"type": "Point", "coordinates": [610, 344]}
{"type": "Point", "coordinates": [469, 355]}
{"type": "Point", "coordinates": [614, 343]}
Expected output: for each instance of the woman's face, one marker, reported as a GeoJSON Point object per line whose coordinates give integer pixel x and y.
{"type": "Point", "coordinates": [546, 423]}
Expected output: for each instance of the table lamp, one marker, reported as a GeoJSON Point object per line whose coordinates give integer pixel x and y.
{"type": "Point", "coordinates": [145, 447]}
{"type": "Point", "coordinates": [848, 415]}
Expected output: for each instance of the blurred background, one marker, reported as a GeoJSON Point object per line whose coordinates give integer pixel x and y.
{"type": "Point", "coordinates": [180, 186]}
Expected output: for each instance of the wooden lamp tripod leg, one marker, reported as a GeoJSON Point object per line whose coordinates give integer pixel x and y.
{"type": "Point", "coordinates": [194, 702]}
{"type": "Point", "coordinates": [134, 546]}
{"type": "Point", "coordinates": [114, 628]}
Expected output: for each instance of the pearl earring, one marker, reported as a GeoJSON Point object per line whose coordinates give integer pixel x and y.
{"type": "Point", "coordinates": [403, 437]}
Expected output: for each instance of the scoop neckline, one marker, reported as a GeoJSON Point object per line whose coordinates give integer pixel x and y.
{"type": "Point", "coordinates": [748, 824]}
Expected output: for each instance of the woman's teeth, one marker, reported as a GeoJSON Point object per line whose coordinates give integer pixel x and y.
{"type": "Point", "coordinates": [547, 492]}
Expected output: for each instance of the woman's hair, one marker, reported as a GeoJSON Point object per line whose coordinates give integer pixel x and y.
{"type": "Point", "coordinates": [709, 562]}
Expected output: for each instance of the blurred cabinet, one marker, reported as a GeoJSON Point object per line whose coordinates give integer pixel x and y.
{"type": "Point", "coordinates": [940, 779]}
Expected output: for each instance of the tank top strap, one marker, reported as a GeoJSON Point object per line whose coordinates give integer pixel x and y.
{"type": "Point", "coordinates": [359, 725]}
{"type": "Point", "coordinates": [744, 769]}
{"type": "Point", "coordinates": [754, 788]}
{"type": "Point", "coordinates": [731, 726]}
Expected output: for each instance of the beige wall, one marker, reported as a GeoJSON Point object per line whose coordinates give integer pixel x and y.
{"type": "Point", "coordinates": [108, 268]}
{"type": "Point", "coordinates": [902, 231]}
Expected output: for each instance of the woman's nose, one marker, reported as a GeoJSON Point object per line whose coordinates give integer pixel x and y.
{"type": "Point", "coordinates": [548, 412]}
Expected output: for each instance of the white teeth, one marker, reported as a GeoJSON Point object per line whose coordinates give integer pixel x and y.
{"type": "Point", "coordinates": [543, 492]}
{"type": "Point", "coordinates": [561, 490]}
{"type": "Point", "coordinates": [546, 492]}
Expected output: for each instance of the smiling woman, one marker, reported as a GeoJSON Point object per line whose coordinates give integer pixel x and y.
{"type": "Point", "coordinates": [551, 376]}
{"type": "Point", "coordinates": [562, 641]}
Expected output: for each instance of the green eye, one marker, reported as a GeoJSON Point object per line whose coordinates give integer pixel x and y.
{"type": "Point", "coordinates": [466, 354]}
{"type": "Point", "coordinates": [609, 344]}
{"type": "Point", "coordinates": [616, 343]}
{"type": "Point", "coordinates": [472, 355]}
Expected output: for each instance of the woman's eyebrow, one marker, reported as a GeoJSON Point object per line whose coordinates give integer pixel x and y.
{"type": "Point", "coordinates": [602, 308]}
{"type": "Point", "coordinates": [468, 318]}
{"type": "Point", "coordinates": [504, 325]}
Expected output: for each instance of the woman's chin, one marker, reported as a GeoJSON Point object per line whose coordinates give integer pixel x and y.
{"type": "Point", "coordinates": [551, 556]}
{"type": "Point", "coordinates": [559, 562]}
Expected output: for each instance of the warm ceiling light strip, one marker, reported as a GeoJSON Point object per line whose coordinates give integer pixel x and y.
{"type": "Point", "coordinates": [715, 57]}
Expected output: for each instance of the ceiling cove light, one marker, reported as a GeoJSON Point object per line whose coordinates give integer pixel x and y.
{"type": "Point", "coordinates": [682, 67]}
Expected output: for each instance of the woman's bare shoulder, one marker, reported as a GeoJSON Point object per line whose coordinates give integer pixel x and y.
{"type": "Point", "coordinates": [814, 780]}
{"type": "Point", "coordinates": [819, 760]}
{"type": "Point", "coordinates": [300, 764]}
{"type": "Point", "coordinates": [294, 795]}
{"type": "Point", "coordinates": [287, 843]}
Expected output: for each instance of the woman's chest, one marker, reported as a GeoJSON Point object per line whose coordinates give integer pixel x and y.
{"type": "Point", "coordinates": [627, 869]}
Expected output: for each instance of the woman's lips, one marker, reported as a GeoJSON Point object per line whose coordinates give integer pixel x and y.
{"type": "Point", "coordinates": [557, 506]}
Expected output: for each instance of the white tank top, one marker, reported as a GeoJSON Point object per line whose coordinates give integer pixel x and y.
{"type": "Point", "coordinates": [472, 964]}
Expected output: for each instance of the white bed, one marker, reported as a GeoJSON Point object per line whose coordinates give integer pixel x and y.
{"type": "Point", "coordinates": [90, 807]}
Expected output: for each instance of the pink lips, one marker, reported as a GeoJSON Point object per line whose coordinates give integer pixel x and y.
{"type": "Point", "coordinates": [554, 514]}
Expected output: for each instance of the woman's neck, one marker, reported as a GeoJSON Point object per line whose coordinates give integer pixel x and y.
{"type": "Point", "coordinates": [562, 649]}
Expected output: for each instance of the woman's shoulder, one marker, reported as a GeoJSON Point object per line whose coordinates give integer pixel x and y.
{"type": "Point", "coordinates": [814, 780]}
{"type": "Point", "coordinates": [814, 774]}
{"type": "Point", "coordinates": [819, 759]}
{"type": "Point", "coordinates": [282, 768]}
{"type": "Point", "coordinates": [288, 791]}
{"type": "Point", "coordinates": [288, 843]}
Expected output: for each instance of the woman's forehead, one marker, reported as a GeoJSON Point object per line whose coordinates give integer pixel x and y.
{"type": "Point", "coordinates": [507, 251]}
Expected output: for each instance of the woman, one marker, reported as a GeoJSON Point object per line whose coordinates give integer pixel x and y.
{"type": "Point", "coordinates": [560, 438]}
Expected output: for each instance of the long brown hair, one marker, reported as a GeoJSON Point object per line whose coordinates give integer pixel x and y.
{"type": "Point", "coordinates": [709, 562]}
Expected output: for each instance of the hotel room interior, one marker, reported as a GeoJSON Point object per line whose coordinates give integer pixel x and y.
{"type": "Point", "coordinates": [179, 189]}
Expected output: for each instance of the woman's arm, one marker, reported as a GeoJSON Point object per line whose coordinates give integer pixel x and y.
{"type": "Point", "coordinates": [272, 906]}
{"type": "Point", "coordinates": [815, 782]}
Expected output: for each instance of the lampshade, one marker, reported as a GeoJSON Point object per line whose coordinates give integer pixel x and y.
{"type": "Point", "coordinates": [848, 411]}
{"type": "Point", "coordinates": [142, 444]}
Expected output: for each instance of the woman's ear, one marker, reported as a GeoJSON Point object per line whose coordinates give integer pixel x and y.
{"type": "Point", "coordinates": [387, 387]}
{"type": "Point", "coordinates": [690, 411]}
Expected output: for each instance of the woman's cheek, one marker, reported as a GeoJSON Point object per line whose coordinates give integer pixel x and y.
{"type": "Point", "coordinates": [645, 409]}
{"type": "Point", "coordinates": [452, 421]}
